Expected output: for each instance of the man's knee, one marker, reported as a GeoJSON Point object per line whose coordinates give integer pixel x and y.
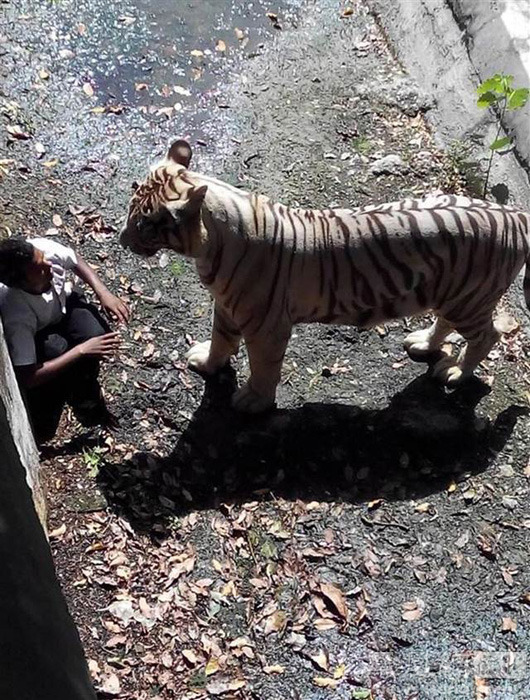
{"type": "Point", "coordinates": [84, 324]}
{"type": "Point", "coordinates": [53, 346]}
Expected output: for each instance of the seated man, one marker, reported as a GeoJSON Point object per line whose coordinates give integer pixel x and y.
{"type": "Point", "coordinates": [55, 338]}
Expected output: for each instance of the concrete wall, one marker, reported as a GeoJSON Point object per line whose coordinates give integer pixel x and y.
{"type": "Point", "coordinates": [497, 37]}
{"type": "Point", "coordinates": [432, 44]}
{"type": "Point", "coordinates": [19, 428]}
{"type": "Point", "coordinates": [41, 657]}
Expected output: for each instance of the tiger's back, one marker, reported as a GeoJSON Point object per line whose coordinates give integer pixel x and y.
{"type": "Point", "coordinates": [367, 265]}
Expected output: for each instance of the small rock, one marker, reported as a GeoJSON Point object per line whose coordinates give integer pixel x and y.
{"type": "Point", "coordinates": [506, 470]}
{"type": "Point", "coordinates": [389, 165]}
{"type": "Point", "coordinates": [509, 502]}
{"type": "Point", "coordinates": [506, 323]}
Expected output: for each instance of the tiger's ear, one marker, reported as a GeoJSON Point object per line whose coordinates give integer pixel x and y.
{"type": "Point", "coordinates": [180, 152]}
{"type": "Point", "coordinates": [196, 198]}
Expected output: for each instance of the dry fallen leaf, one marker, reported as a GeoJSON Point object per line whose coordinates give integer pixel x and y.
{"type": "Point", "coordinates": [220, 46]}
{"type": "Point", "coordinates": [323, 625]}
{"type": "Point", "coordinates": [211, 667]}
{"type": "Point", "coordinates": [58, 532]}
{"type": "Point", "coordinates": [17, 132]}
{"type": "Point", "coordinates": [197, 53]}
{"type": "Point", "coordinates": [320, 659]}
{"type": "Point", "coordinates": [122, 610]}
{"type": "Point", "coordinates": [274, 19]}
{"type": "Point", "coordinates": [508, 625]}
{"type": "Point", "coordinates": [482, 690]}
{"type": "Point", "coordinates": [222, 686]}
{"type": "Point", "coordinates": [140, 86]}
{"type": "Point", "coordinates": [487, 545]}
{"type": "Point", "coordinates": [166, 659]}
{"type": "Point", "coordinates": [88, 89]}
{"type": "Point", "coordinates": [277, 669]}
{"type": "Point", "coordinates": [240, 35]}
{"type": "Point", "coordinates": [422, 507]}
{"type": "Point", "coordinates": [339, 671]}
{"type": "Point", "coordinates": [412, 610]}
{"type": "Point", "coordinates": [110, 685]}
{"type": "Point", "coordinates": [347, 12]}
{"type": "Point", "coordinates": [334, 595]}
{"type": "Point", "coordinates": [127, 20]}
{"type": "Point", "coordinates": [507, 574]}
{"type": "Point", "coordinates": [326, 682]}
{"type": "Point", "coordinates": [57, 221]}
{"type": "Point", "coordinates": [275, 622]}
{"type": "Point", "coordinates": [506, 323]}
{"type": "Point", "coordinates": [191, 657]}
{"type": "Point", "coordinates": [93, 667]}
{"type": "Point", "coordinates": [181, 90]}
{"type": "Point", "coordinates": [43, 74]}
{"type": "Point", "coordinates": [51, 163]}
{"type": "Point", "coordinates": [149, 350]}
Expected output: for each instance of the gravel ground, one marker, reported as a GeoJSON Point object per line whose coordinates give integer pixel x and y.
{"type": "Point", "coordinates": [369, 538]}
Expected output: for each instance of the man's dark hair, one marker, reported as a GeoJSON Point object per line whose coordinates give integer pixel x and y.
{"type": "Point", "coordinates": [15, 254]}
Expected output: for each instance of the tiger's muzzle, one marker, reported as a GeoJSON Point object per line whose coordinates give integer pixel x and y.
{"type": "Point", "coordinates": [130, 239]}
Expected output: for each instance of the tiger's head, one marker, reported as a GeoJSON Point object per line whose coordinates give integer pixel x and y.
{"type": "Point", "coordinates": [164, 210]}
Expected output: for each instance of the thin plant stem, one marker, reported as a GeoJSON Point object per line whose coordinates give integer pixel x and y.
{"type": "Point", "coordinates": [492, 152]}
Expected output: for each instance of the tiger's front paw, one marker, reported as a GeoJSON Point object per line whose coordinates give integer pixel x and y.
{"type": "Point", "coordinates": [448, 372]}
{"type": "Point", "coordinates": [247, 400]}
{"type": "Point", "coordinates": [418, 345]}
{"type": "Point", "coordinates": [198, 357]}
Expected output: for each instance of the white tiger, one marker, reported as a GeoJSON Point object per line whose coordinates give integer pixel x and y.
{"type": "Point", "coordinates": [269, 267]}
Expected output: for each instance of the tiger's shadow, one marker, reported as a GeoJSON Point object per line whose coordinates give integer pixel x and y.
{"type": "Point", "coordinates": [320, 452]}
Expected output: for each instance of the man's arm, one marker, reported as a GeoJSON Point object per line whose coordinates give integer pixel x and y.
{"type": "Point", "coordinates": [110, 303]}
{"type": "Point", "coordinates": [100, 347]}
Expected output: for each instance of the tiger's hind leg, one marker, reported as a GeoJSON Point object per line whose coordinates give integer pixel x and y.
{"type": "Point", "coordinates": [419, 345]}
{"type": "Point", "coordinates": [265, 356]}
{"type": "Point", "coordinates": [481, 336]}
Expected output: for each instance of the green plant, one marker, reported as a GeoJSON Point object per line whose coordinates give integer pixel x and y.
{"type": "Point", "coordinates": [497, 92]}
{"type": "Point", "coordinates": [362, 145]}
{"type": "Point", "coordinates": [461, 172]}
{"type": "Point", "coordinates": [92, 460]}
{"type": "Point", "coordinates": [177, 268]}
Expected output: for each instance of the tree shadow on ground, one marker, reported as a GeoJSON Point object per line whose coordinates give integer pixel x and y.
{"type": "Point", "coordinates": [319, 451]}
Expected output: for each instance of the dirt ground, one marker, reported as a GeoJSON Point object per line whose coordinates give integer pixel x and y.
{"type": "Point", "coordinates": [368, 539]}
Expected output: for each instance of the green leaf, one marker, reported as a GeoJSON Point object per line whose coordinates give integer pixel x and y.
{"type": "Point", "coordinates": [487, 98]}
{"type": "Point", "coordinates": [518, 98]}
{"type": "Point", "coordinates": [500, 143]}
{"type": "Point", "coordinates": [269, 549]}
{"type": "Point", "coordinates": [361, 694]}
{"type": "Point", "coordinates": [507, 80]}
{"type": "Point", "coordinates": [491, 85]}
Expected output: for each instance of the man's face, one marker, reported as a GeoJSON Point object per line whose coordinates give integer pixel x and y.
{"type": "Point", "coordinates": [38, 274]}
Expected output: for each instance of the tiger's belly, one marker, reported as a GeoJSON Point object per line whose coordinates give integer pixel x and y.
{"type": "Point", "coordinates": [353, 313]}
